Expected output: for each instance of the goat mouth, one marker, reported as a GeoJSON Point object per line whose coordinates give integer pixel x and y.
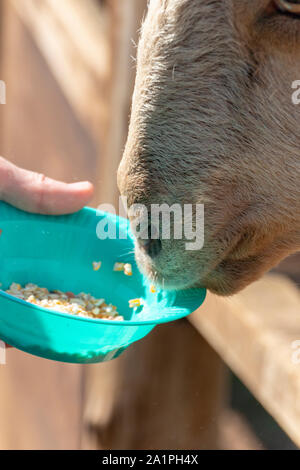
{"type": "Point", "coordinates": [218, 279]}
{"type": "Point", "coordinates": [169, 281]}
{"type": "Point", "coordinates": [178, 280]}
{"type": "Point", "coordinates": [214, 274]}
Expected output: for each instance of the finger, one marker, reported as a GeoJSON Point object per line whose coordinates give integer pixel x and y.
{"type": "Point", "coordinates": [34, 192]}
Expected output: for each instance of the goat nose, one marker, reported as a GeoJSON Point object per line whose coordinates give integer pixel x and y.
{"type": "Point", "coordinates": [152, 247]}
{"type": "Point", "coordinates": [150, 242]}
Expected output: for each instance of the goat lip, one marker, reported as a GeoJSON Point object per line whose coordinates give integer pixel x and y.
{"type": "Point", "coordinates": [169, 282]}
{"type": "Point", "coordinates": [165, 281]}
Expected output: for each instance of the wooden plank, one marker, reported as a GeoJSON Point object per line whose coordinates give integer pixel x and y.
{"type": "Point", "coordinates": [39, 404]}
{"type": "Point", "coordinates": [165, 392]}
{"type": "Point", "coordinates": [126, 17]}
{"type": "Point", "coordinates": [40, 401]}
{"type": "Point", "coordinates": [40, 131]}
{"type": "Point", "coordinates": [254, 332]}
{"type": "Point", "coordinates": [73, 37]}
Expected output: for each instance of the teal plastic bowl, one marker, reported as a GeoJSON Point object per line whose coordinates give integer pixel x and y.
{"type": "Point", "coordinates": [57, 252]}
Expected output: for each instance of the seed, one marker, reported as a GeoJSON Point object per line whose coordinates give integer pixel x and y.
{"type": "Point", "coordinates": [135, 303]}
{"type": "Point", "coordinates": [97, 265]}
{"type": "Point", "coordinates": [119, 266]}
{"type": "Point", "coordinates": [15, 287]}
{"type": "Point", "coordinates": [128, 269]}
{"type": "Point", "coordinates": [125, 267]}
{"type": "Point", "coordinates": [70, 294]}
{"type": "Point", "coordinates": [83, 305]}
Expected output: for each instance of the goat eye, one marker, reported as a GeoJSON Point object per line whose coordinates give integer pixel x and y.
{"type": "Point", "coordinates": [289, 6]}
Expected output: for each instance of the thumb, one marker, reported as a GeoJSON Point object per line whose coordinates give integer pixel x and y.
{"type": "Point", "coordinates": [34, 192]}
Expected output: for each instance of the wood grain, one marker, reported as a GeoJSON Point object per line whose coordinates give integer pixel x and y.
{"type": "Point", "coordinates": [254, 332]}
{"type": "Point", "coordinates": [72, 36]}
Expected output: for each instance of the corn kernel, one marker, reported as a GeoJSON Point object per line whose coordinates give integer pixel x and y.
{"type": "Point", "coordinates": [119, 266]}
{"type": "Point", "coordinates": [128, 269]}
{"type": "Point", "coordinates": [135, 303]}
{"type": "Point", "coordinates": [96, 265]}
{"type": "Point", "coordinates": [83, 305]}
{"type": "Point", "coordinates": [15, 286]}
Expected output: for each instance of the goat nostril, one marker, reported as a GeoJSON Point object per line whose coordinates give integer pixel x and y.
{"type": "Point", "coordinates": [152, 247]}
{"type": "Point", "coordinates": [149, 241]}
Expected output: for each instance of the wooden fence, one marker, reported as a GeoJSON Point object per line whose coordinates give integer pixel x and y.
{"type": "Point", "coordinates": [70, 75]}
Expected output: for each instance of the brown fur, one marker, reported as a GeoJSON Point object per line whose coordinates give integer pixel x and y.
{"type": "Point", "coordinates": [213, 121]}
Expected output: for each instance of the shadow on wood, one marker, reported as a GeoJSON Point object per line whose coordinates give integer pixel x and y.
{"type": "Point", "coordinates": [165, 392]}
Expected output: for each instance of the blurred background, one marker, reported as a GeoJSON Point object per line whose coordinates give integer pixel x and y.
{"type": "Point", "coordinates": [69, 71]}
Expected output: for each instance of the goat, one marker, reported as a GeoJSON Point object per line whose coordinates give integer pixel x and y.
{"type": "Point", "coordinates": [215, 121]}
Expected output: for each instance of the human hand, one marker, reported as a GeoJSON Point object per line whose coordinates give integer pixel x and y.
{"type": "Point", "coordinates": [34, 192]}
